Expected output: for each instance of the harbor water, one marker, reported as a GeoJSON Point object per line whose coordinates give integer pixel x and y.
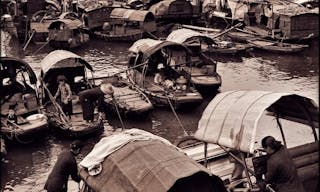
{"type": "Point", "coordinates": [27, 166]}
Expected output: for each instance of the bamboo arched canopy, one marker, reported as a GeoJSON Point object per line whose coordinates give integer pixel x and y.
{"type": "Point", "coordinates": [10, 63]}
{"type": "Point", "coordinates": [231, 118]}
{"type": "Point", "coordinates": [183, 35]}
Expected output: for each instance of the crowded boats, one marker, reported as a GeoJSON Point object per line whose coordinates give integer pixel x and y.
{"type": "Point", "coordinates": [243, 137]}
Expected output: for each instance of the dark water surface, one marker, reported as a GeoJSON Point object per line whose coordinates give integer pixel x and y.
{"type": "Point", "coordinates": [29, 165]}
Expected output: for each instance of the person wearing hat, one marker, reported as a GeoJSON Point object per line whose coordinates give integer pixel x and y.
{"type": "Point", "coordinates": [65, 166]}
{"type": "Point", "coordinates": [90, 96]}
{"type": "Point", "coordinates": [281, 170]}
{"type": "Point", "coordinates": [64, 91]}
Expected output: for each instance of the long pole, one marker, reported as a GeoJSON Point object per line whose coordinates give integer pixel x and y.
{"type": "Point", "coordinates": [56, 105]}
{"type": "Point", "coordinates": [227, 30]}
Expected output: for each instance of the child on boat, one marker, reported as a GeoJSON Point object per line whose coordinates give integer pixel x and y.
{"type": "Point", "coordinates": [12, 117]}
{"type": "Point", "coordinates": [64, 91]}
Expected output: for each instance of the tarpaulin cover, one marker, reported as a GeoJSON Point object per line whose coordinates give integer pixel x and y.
{"type": "Point", "coordinates": [110, 144]}
{"type": "Point", "coordinates": [231, 118]}
{"type": "Point", "coordinates": [145, 166]}
{"type": "Point", "coordinates": [182, 35]}
{"type": "Point", "coordinates": [15, 63]}
{"type": "Point", "coordinates": [55, 60]}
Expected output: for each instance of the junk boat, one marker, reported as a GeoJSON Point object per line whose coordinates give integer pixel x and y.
{"type": "Point", "coordinates": [194, 64]}
{"type": "Point", "coordinates": [236, 122]}
{"type": "Point", "coordinates": [277, 47]}
{"type": "Point", "coordinates": [67, 33]}
{"type": "Point", "coordinates": [152, 57]}
{"type": "Point", "coordinates": [19, 100]}
{"type": "Point", "coordinates": [205, 42]}
{"type": "Point", "coordinates": [76, 70]}
{"type": "Point", "coordinates": [143, 162]}
{"type": "Point", "coordinates": [127, 25]}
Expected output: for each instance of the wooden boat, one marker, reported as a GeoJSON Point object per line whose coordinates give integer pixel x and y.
{"type": "Point", "coordinates": [173, 11]}
{"type": "Point", "coordinates": [75, 69]}
{"type": "Point", "coordinates": [127, 25]}
{"type": "Point", "coordinates": [205, 42]}
{"type": "Point", "coordinates": [67, 34]}
{"type": "Point", "coordinates": [147, 54]}
{"type": "Point", "coordinates": [244, 118]}
{"type": "Point", "coordinates": [17, 89]}
{"type": "Point", "coordinates": [128, 99]}
{"type": "Point", "coordinates": [94, 15]}
{"type": "Point", "coordinates": [144, 168]}
{"type": "Point", "coordinates": [278, 47]}
{"type": "Point", "coordinates": [41, 20]}
{"type": "Point", "coordinates": [241, 37]}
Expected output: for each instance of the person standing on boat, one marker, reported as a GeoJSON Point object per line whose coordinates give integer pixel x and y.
{"type": "Point", "coordinates": [159, 76]}
{"type": "Point", "coordinates": [65, 166]}
{"type": "Point", "coordinates": [89, 97]}
{"type": "Point", "coordinates": [281, 171]}
{"type": "Point", "coordinates": [64, 91]}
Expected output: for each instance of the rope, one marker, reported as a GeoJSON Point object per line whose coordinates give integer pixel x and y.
{"type": "Point", "coordinates": [15, 134]}
{"type": "Point", "coordinates": [177, 117]}
{"type": "Point", "coordinates": [173, 110]}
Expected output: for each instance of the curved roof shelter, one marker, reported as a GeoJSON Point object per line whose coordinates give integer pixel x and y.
{"type": "Point", "coordinates": [147, 165]}
{"type": "Point", "coordinates": [172, 8]}
{"type": "Point", "coordinates": [14, 64]}
{"type": "Point", "coordinates": [231, 118]}
{"type": "Point", "coordinates": [61, 59]}
{"type": "Point", "coordinates": [149, 46]}
{"type": "Point", "coordinates": [131, 14]}
{"type": "Point", "coordinates": [183, 35]}
{"type": "Point", "coordinates": [143, 44]}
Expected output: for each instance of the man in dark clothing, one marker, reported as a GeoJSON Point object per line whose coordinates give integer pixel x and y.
{"type": "Point", "coordinates": [66, 165]}
{"type": "Point", "coordinates": [281, 171]}
{"type": "Point", "coordinates": [89, 97]}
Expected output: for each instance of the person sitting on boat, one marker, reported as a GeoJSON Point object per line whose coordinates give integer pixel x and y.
{"type": "Point", "coordinates": [281, 170]}
{"type": "Point", "coordinates": [90, 96]}
{"type": "Point", "coordinates": [181, 83]}
{"type": "Point", "coordinates": [159, 76]}
{"type": "Point", "coordinates": [64, 91]}
{"type": "Point", "coordinates": [65, 166]}
{"type": "Point", "coordinates": [12, 117]}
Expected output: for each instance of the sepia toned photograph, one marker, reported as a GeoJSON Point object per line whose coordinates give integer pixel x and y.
{"type": "Point", "coordinates": [159, 96]}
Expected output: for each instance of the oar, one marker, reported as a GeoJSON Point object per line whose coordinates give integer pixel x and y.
{"type": "Point", "coordinates": [56, 105]}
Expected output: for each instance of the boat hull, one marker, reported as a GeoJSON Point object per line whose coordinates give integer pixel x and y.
{"type": "Point", "coordinates": [112, 37]}
{"type": "Point", "coordinates": [78, 128]}
{"type": "Point", "coordinates": [27, 132]}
